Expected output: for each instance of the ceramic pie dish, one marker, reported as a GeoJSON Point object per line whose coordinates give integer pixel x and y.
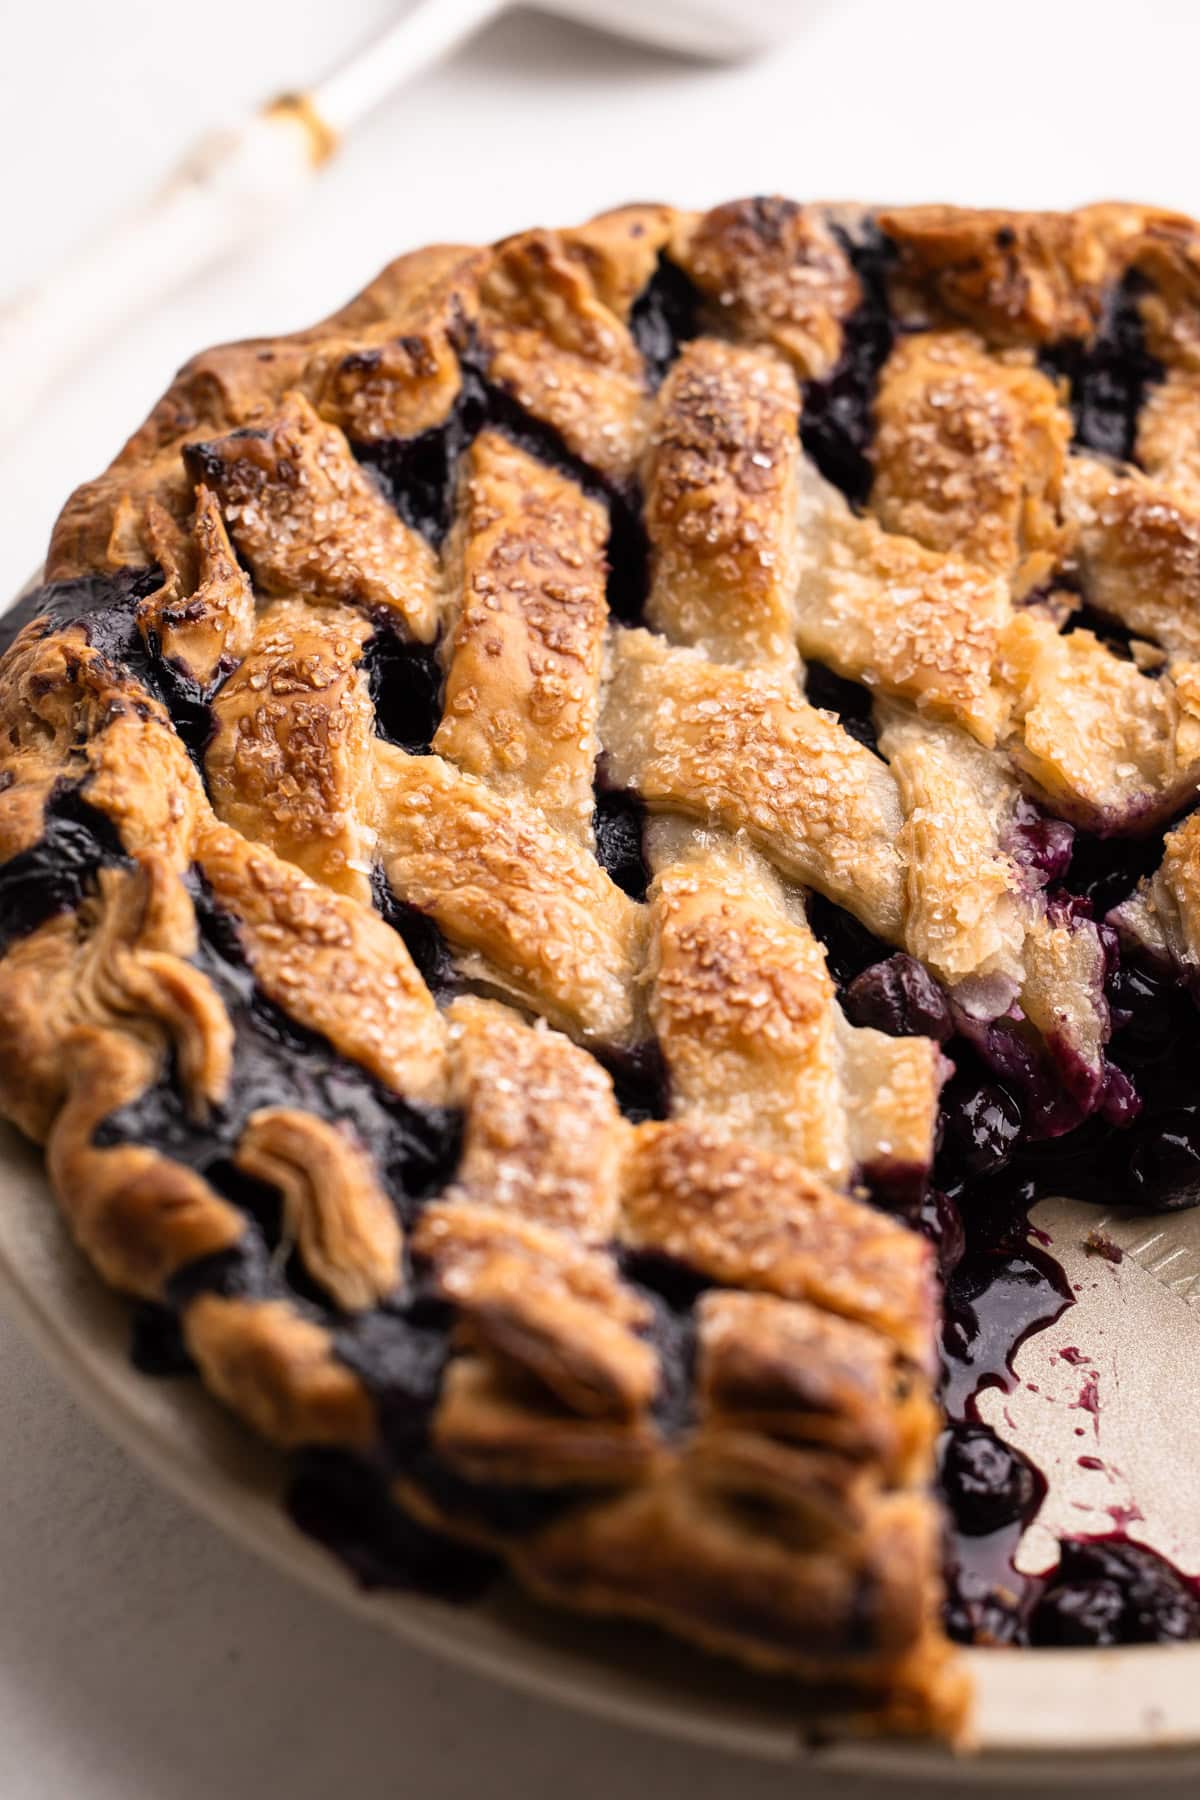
{"type": "Point", "coordinates": [580, 845]}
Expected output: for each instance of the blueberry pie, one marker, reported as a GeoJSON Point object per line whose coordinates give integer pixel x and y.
{"type": "Point", "coordinates": [577, 845]}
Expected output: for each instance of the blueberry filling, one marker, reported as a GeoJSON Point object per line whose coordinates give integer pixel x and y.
{"type": "Point", "coordinates": [1041, 844]}
{"type": "Point", "coordinates": [849, 946]}
{"type": "Point", "coordinates": [106, 607]}
{"type": "Point", "coordinates": [1109, 1591]}
{"type": "Point", "coordinates": [837, 424]}
{"type": "Point", "coordinates": [277, 1062]}
{"type": "Point", "coordinates": [998, 1295]}
{"type": "Point", "coordinates": [987, 1485]}
{"type": "Point", "coordinates": [343, 1503]}
{"type": "Point", "coordinates": [1105, 871]}
{"type": "Point", "coordinates": [400, 1355]}
{"type": "Point", "coordinates": [671, 1290]}
{"type": "Point", "coordinates": [53, 875]}
{"type": "Point", "coordinates": [639, 1078]}
{"type": "Point", "coordinates": [422, 938]}
{"type": "Point", "coordinates": [1108, 377]}
{"type": "Point", "coordinates": [244, 1271]}
{"type": "Point", "coordinates": [900, 997]}
{"type": "Point", "coordinates": [618, 822]}
{"type": "Point", "coordinates": [664, 317]}
{"type": "Point", "coordinates": [156, 1345]}
{"type": "Point", "coordinates": [1145, 1155]}
{"type": "Point", "coordinates": [416, 475]}
{"type": "Point", "coordinates": [405, 680]}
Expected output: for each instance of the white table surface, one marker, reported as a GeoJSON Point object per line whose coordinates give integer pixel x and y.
{"type": "Point", "coordinates": [141, 1656]}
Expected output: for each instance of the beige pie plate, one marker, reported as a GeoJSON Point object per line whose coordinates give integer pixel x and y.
{"type": "Point", "coordinates": [1134, 1334]}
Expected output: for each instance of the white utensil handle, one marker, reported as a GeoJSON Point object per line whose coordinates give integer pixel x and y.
{"type": "Point", "coordinates": [421, 36]}
{"type": "Point", "coordinates": [233, 187]}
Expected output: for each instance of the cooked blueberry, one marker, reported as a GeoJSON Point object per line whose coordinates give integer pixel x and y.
{"type": "Point", "coordinates": [987, 1484]}
{"type": "Point", "coordinates": [982, 1127]}
{"type": "Point", "coordinates": [618, 821]}
{"type": "Point", "coordinates": [900, 997]}
{"type": "Point", "coordinates": [1142, 1014]}
{"type": "Point", "coordinates": [1105, 870]}
{"type": "Point", "coordinates": [1041, 844]}
{"type": "Point", "coordinates": [1087, 1614]}
{"type": "Point", "coordinates": [941, 1222]}
{"type": "Point", "coordinates": [1109, 1591]}
{"type": "Point", "coordinates": [1120, 1102]}
{"type": "Point", "coordinates": [1164, 1167]}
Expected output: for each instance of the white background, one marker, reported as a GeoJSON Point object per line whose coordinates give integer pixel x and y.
{"type": "Point", "coordinates": [141, 1657]}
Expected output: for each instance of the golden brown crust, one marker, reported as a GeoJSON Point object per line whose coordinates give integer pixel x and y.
{"type": "Point", "coordinates": [741, 749]}
{"type": "Point", "coordinates": [1018, 278]}
{"type": "Point", "coordinates": [882, 609]}
{"type": "Point", "coordinates": [525, 632]}
{"type": "Point", "coordinates": [1167, 444]}
{"type": "Point", "coordinates": [752, 1219]}
{"type": "Point", "coordinates": [71, 717]}
{"type": "Point", "coordinates": [549, 338]}
{"type": "Point", "coordinates": [277, 1371]}
{"type": "Point", "coordinates": [543, 1136]}
{"type": "Point", "coordinates": [1104, 744]}
{"type": "Point", "coordinates": [332, 965]}
{"type": "Point", "coordinates": [969, 455]}
{"type": "Point", "coordinates": [334, 1208]}
{"type": "Point", "coordinates": [528, 907]}
{"type": "Point", "coordinates": [1138, 546]}
{"type": "Point", "coordinates": [720, 485]}
{"type": "Point", "coordinates": [308, 520]}
{"type": "Point", "coordinates": [202, 617]}
{"type": "Point", "coordinates": [491, 1427]}
{"type": "Point", "coordinates": [389, 367]}
{"type": "Point", "coordinates": [666, 1554]}
{"type": "Point", "coordinates": [753, 1038]}
{"type": "Point", "coordinates": [140, 1217]}
{"type": "Point", "coordinates": [786, 1368]}
{"type": "Point", "coordinates": [773, 272]}
{"type": "Point", "coordinates": [530, 1297]}
{"type": "Point", "coordinates": [288, 762]}
{"type": "Point", "coordinates": [1162, 916]}
{"type": "Point", "coordinates": [1166, 254]}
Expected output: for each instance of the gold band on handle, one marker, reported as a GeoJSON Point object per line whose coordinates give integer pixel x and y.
{"type": "Point", "coordinates": [323, 140]}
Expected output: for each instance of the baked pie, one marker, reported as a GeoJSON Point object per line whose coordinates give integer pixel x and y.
{"type": "Point", "coordinates": [579, 842]}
